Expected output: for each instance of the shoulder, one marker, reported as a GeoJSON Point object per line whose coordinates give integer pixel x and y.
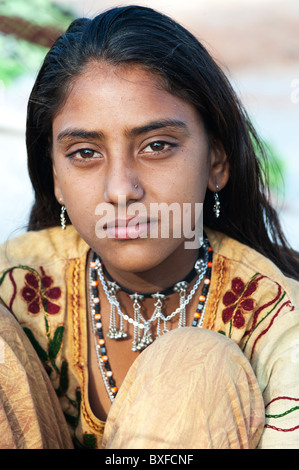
{"type": "Point", "coordinates": [42, 247]}
{"type": "Point", "coordinates": [246, 263]}
{"type": "Point", "coordinates": [34, 271]}
{"type": "Point", "coordinates": [258, 307]}
{"type": "Point", "coordinates": [250, 299]}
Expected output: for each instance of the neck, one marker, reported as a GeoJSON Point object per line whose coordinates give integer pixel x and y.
{"type": "Point", "coordinates": [166, 274]}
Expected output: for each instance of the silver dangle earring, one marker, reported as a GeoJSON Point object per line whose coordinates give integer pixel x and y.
{"type": "Point", "coordinates": [216, 207]}
{"type": "Point", "coordinates": [62, 217]}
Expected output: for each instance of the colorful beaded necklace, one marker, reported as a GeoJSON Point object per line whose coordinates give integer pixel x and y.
{"type": "Point", "coordinates": [202, 267]}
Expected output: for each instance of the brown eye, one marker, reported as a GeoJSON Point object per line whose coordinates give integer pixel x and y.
{"type": "Point", "coordinates": [159, 146]}
{"type": "Point", "coordinates": [86, 153]}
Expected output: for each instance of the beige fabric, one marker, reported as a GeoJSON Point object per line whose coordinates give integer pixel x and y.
{"type": "Point", "coordinates": [191, 389]}
{"type": "Point", "coordinates": [42, 281]}
{"type": "Point", "coordinates": [30, 414]}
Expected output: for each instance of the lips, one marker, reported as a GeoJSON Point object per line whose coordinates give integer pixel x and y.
{"type": "Point", "coordinates": [128, 229]}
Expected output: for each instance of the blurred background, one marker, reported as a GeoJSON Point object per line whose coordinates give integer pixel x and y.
{"type": "Point", "coordinates": [256, 42]}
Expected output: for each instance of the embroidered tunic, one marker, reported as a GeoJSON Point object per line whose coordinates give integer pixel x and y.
{"type": "Point", "coordinates": [42, 281]}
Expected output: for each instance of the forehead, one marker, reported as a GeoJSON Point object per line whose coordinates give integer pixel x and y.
{"type": "Point", "coordinates": [130, 73]}
{"type": "Point", "coordinates": [102, 80]}
{"type": "Point", "coordinates": [120, 95]}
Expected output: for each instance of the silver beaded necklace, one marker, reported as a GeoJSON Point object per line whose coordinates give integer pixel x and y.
{"type": "Point", "coordinates": [142, 335]}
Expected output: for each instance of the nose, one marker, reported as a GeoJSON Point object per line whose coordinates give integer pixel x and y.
{"type": "Point", "coordinates": [122, 183]}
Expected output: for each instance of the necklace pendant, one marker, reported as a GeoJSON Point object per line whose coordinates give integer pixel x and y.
{"type": "Point", "coordinates": [137, 325]}
{"type": "Point", "coordinates": [181, 288]}
{"type": "Point", "coordinates": [159, 304]}
{"type": "Point", "coordinates": [135, 345]}
{"type": "Point", "coordinates": [165, 329]}
{"type": "Point", "coordinates": [140, 346]}
{"type": "Point", "coordinates": [146, 340]}
{"type": "Point", "coordinates": [135, 297]}
{"type": "Point", "coordinates": [144, 343]}
{"type": "Point", "coordinates": [121, 334]}
{"type": "Point", "coordinates": [158, 310]}
{"type": "Point", "coordinates": [112, 333]}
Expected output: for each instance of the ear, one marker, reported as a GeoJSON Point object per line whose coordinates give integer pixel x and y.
{"type": "Point", "coordinates": [219, 167]}
{"type": "Point", "coordinates": [57, 190]}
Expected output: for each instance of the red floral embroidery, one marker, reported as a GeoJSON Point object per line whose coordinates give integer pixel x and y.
{"type": "Point", "coordinates": [39, 293]}
{"type": "Point", "coordinates": [238, 302]}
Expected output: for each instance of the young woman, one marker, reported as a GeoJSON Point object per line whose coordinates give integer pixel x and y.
{"type": "Point", "coordinates": [132, 131]}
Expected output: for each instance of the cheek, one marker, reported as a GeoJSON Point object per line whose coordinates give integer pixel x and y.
{"type": "Point", "coordinates": [76, 188]}
{"type": "Point", "coordinates": [80, 206]}
{"type": "Point", "coordinates": [79, 198]}
{"type": "Point", "coordinates": [189, 182]}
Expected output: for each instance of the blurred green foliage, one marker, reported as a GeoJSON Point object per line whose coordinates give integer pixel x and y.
{"type": "Point", "coordinates": [18, 56]}
{"type": "Point", "coordinates": [273, 166]}
{"type": "Point", "coordinates": [42, 12]}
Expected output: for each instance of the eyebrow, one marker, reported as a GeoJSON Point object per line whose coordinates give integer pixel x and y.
{"type": "Point", "coordinates": [69, 134]}
{"type": "Point", "coordinates": [152, 126]}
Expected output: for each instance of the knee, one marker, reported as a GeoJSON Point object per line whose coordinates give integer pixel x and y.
{"type": "Point", "coordinates": [184, 347]}
{"type": "Point", "coordinates": [193, 342]}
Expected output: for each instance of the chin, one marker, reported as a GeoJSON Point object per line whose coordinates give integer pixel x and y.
{"type": "Point", "coordinates": [134, 256]}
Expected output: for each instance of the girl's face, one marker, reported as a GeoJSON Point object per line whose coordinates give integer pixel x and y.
{"type": "Point", "coordinates": [121, 139]}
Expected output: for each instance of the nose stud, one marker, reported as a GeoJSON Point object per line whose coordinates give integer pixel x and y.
{"type": "Point", "coordinates": [135, 186]}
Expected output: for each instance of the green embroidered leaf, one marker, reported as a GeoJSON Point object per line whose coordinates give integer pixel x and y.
{"type": "Point", "coordinates": [55, 342]}
{"type": "Point", "coordinates": [89, 441]}
{"type": "Point", "coordinates": [6, 272]}
{"type": "Point", "coordinates": [64, 379]}
{"type": "Point", "coordinates": [221, 332]}
{"type": "Point", "coordinates": [47, 326]}
{"type": "Point", "coordinates": [40, 351]}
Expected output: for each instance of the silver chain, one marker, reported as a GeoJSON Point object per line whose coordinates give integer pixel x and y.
{"type": "Point", "coordinates": [201, 268]}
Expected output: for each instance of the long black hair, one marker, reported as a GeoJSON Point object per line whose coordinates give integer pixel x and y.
{"type": "Point", "coordinates": [141, 35]}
